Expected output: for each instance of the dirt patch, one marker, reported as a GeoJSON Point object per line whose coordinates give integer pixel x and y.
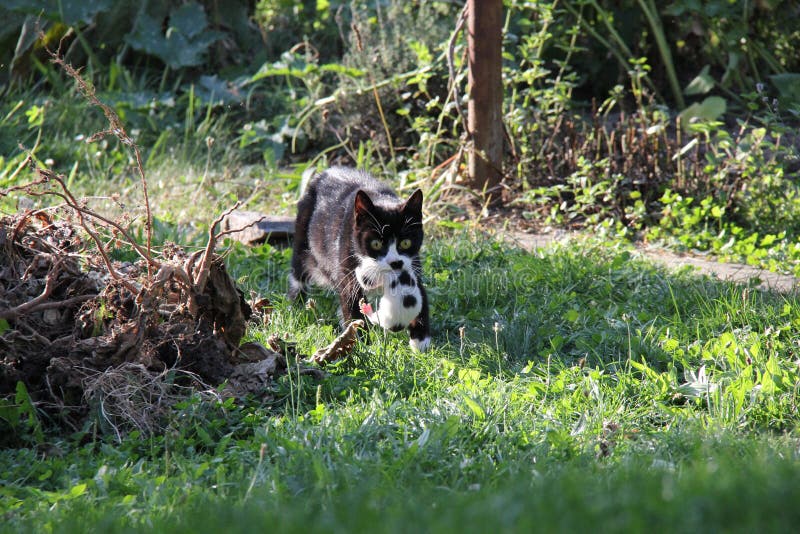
{"type": "Point", "coordinates": [252, 228]}
{"type": "Point", "coordinates": [731, 272]}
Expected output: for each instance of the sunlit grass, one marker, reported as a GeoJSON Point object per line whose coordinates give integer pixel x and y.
{"type": "Point", "coordinates": [578, 387]}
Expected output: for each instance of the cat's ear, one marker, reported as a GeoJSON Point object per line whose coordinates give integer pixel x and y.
{"type": "Point", "coordinates": [414, 204]}
{"type": "Point", "coordinates": [363, 204]}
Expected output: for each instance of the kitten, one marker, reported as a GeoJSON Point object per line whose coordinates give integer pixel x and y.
{"type": "Point", "coordinates": [354, 235]}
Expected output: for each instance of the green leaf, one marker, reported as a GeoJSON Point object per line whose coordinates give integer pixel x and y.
{"type": "Point", "coordinates": [421, 50]}
{"type": "Point", "coordinates": [342, 69]}
{"type": "Point", "coordinates": [702, 83]}
{"type": "Point", "coordinates": [300, 69]}
{"type": "Point", "coordinates": [146, 36]}
{"type": "Point", "coordinates": [476, 408]}
{"type": "Point", "coordinates": [768, 240]}
{"type": "Point", "coordinates": [77, 490]}
{"type": "Point", "coordinates": [708, 110]}
{"type": "Point", "coordinates": [28, 35]}
{"type": "Point", "coordinates": [217, 91]}
{"type": "Point", "coordinates": [75, 11]}
{"type": "Point", "coordinates": [189, 19]}
{"type": "Point", "coordinates": [26, 408]}
{"type": "Point", "coordinates": [620, 260]}
{"type": "Point", "coordinates": [451, 224]}
{"type": "Point", "coordinates": [4, 326]}
{"type": "Point", "coordinates": [185, 42]}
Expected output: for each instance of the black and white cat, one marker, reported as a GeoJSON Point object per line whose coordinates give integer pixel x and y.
{"type": "Point", "coordinates": [354, 235]}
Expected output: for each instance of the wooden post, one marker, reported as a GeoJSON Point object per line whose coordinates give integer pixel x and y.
{"type": "Point", "coordinates": [485, 121]}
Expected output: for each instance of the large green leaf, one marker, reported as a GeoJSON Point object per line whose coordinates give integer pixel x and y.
{"type": "Point", "coordinates": [185, 42]}
{"type": "Point", "coordinates": [297, 67]}
{"type": "Point", "coordinates": [217, 91]}
{"type": "Point", "coordinates": [709, 109]}
{"type": "Point", "coordinates": [28, 34]}
{"type": "Point", "coordinates": [147, 37]}
{"type": "Point", "coordinates": [189, 19]}
{"type": "Point", "coordinates": [11, 23]}
{"type": "Point", "coordinates": [74, 11]}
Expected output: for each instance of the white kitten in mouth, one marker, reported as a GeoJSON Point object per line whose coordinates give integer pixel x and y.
{"type": "Point", "coordinates": [399, 303]}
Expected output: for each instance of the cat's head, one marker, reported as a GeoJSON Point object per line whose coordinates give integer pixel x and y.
{"type": "Point", "coordinates": [387, 236]}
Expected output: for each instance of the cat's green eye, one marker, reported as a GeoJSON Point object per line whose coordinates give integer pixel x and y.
{"type": "Point", "coordinates": [376, 244]}
{"type": "Point", "coordinates": [405, 244]}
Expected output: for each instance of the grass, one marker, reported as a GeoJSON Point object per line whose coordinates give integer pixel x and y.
{"type": "Point", "coordinates": [575, 387]}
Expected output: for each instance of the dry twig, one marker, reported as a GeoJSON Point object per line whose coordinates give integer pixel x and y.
{"type": "Point", "coordinates": [341, 346]}
{"type": "Point", "coordinates": [451, 69]}
{"type": "Point", "coordinates": [116, 129]}
{"type": "Point", "coordinates": [86, 223]}
{"type": "Point", "coordinates": [201, 274]}
{"type": "Point", "coordinates": [26, 307]}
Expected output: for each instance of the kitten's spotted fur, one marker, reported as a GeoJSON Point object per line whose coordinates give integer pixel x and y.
{"type": "Point", "coordinates": [354, 235]}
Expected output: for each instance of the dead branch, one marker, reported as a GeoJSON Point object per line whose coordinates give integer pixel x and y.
{"type": "Point", "coordinates": [49, 286]}
{"type": "Point", "coordinates": [188, 265]}
{"type": "Point", "coordinates": [105, 339]}
{"type": "Point", "coordinates": [245, 227]}
{"type": "Point", "coordinates": [24, 187]}
{"type": "Point", "coordinates": [341, 346]}
{"type": "Point", "coordinates": [451, 69]}
{"type": "Point", "coordinates": [118, 130]}
{"type": "Point", "coordinates": [66, 303]}
{"type": "Point", "coordinates": [201, 274]}
{"type": "Point", "coordinates": [72, 202]}
{"type": "Point", "coordinates": [176, 272]}
{"type": "Point", "coordinates": [86, 224]}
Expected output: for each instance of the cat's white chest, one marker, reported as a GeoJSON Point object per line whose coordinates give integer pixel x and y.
{"type": "Point", "coordinates": [399, 303]}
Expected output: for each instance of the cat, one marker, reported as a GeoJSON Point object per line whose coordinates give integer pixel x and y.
{"type": "Point", "coordinates": [355, 236]}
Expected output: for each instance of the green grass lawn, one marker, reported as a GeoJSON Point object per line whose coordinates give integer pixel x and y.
{"type": "Point", "coordinates": [574, 388]}
{"type": "Point", "coordinates": [577, 387]}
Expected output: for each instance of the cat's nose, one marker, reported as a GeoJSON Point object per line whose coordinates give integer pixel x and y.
{"type": "Point", "coordinates": [396, 265]}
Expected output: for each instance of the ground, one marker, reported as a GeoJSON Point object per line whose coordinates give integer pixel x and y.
{"type": "Point", "coordinates": [734, 272]}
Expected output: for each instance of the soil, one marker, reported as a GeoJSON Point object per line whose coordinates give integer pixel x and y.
{"type": "Point", "coordinates": [732, 272]}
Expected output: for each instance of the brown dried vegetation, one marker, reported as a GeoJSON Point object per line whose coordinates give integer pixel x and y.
{"type": "Point", "coordinates": [87, 334]}
{"type": "Point", "coordinates": [73, 314]}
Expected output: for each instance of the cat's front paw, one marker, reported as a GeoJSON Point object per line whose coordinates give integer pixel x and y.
{"type": "Point", "coordinates": [368, 312]}
{"type": "Point", "coordinates": [420, 345]}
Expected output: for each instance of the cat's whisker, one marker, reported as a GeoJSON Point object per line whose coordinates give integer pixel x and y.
{"type": "Point", "coordinates": [344, 281]}
{"type": "Point", "coordinates": [376, 224]}
{"type": "Point", "coordinates": [344, 261]}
